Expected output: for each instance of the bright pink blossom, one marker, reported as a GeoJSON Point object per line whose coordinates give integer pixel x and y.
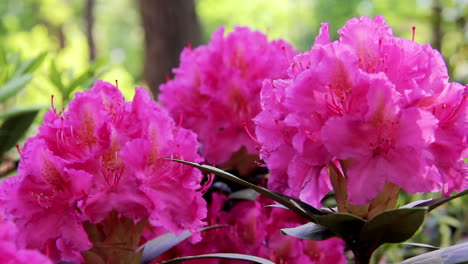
{"type": "Point", "coordinates": [255, 230]}
{"type": "Point", "coordinates": [11, 252]}
{"type": "Point", "coordinates": [103, 155]}
{"type": "Point", "coordinates": [382, 102]}
{"type": "Point", "coordinates": [216, 89]}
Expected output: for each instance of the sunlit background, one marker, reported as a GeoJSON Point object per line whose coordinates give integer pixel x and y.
{"type": "Point", "coordinates": [58, 27]}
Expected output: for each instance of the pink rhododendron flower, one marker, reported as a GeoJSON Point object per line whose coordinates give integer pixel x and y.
{"type": "Point", "coordinates": [382, 103]}
{"type": "Point", "coordinates": [255, 230]}
{"type": "Point", "coordinates": [100, 156]}
{"type": "Point", "coordinates": [216, 89]}
{"type": "Point", "coordinates": [11, 252]}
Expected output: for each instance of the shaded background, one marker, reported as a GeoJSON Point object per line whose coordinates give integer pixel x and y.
{"type": "Point", "coordinates": [71, 43]}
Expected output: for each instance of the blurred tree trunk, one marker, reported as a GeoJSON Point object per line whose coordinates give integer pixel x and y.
{"type": "Point", "coordinates": [169, 25]}
{"type": "Point", "coordinates": [437, 33]}
{"type": "Point", "coordinates": [89, 28]}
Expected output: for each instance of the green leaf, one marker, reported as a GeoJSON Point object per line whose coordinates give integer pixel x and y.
{"type": "Point", "coordinates": [14, 127]}
{"type": "Point", "coordinates": [154, 248]}
{"type": "Point", "coordinates": [417, 203]}
{"type": "Point", "coordinates": [80, 80]}
{"type": "Point", "coordinates": [35, 63]}
{"type": "Point", "coordinates": [56, 78]}
{"type": "Point", "coordinates": [87, 77]}
{"type": "Point", "coordinates": [13, 86]}
{"type": "Point", "coordinates": [419, 245]}
{"type": "Point", "coordinates": [246, 194]}
{"type": "Point", "coordinates": [20, 110]}
{"type": "Point", "coordinates": [4, 75]}
{"type": "Point", "coordinates": [393, 226]}
{"type": "Point", "coordinates": [309, 231]}
{"type": "Point", "coordinates": [277, 206]}
{"type": "Point", "coordinates": [3, 56]}
{"type": "Point", "coordinates": [449, 255]}
{"type": "Point", "coordinates": [296, 205]}
{"type": "Point", "coordinates": [342, 224]}
{"type": "Point", "coordinates": [221, 256]}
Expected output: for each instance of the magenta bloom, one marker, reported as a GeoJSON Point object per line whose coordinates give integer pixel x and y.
{"type": "Point", "coordinates": [381, 103]}
{"type": "Point", "coordinates": [11, 252]}
{"type": "Point", "coordinates": [255, 230]}
{"type": "Point", "coordinates": [103, 155]}
{"type": "Point", "coordinates": [216, 89]}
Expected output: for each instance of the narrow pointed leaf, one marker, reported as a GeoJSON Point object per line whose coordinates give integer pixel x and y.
{"type": "Point", "coordinates": [21, 110]}
{"type": "Point", "coordinates": [234, 256]}
{"type": "Point", "coordinates": [296, 205]}
{"type": "Point", "coordinates": [154, 248]}
{"type": "Point", "coordinates": [35, 63]}
{"type": "Point", "coordinates": [309, 231]}
{"type": "Point", "coordinates": [30, 65]}
{"type": "Point", "coordinates": [434, 203]}
{"type": "Point", "coordinates": [420, 245]}
{"type": "Point", "coordinates": [80, 80]}
{"type": "Point", "coordinates": [277, 206]}
{"type": "Point", "coordinates": [450, 255]}
{"type": "Point", "coordinates": [56, 77]}
{"type": "Point", "coordinates": [417, 203]}
{"type": "Point", "coordinates": [393, 226]}
{"type": "Point", "coordinates": [13, 86]}
{"type": "Point", "coordinates": [246, 194]}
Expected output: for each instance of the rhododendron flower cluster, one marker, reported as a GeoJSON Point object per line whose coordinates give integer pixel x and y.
{"type": "Point", "coordinates": [381, 105]}
{"type": "Point", "coordinates": [103, 155]}
{"type": "Point", "coordinates": [216, 89]}
{"type": "Point", "coordinates": [11, 252]}
{"type": "Point", "coordinates": [251, 228]}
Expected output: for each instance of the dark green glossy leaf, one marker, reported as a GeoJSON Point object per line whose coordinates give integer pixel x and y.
{"type": "Point", "coordinates": [14, 127]}
{"type": "Point", "coordinates": [13, 86]}
{"type": "Point", "coordinates": [342, 224]}
{"type": "Point", "coordinates": [309, 231]}
{"type": "Point", "coordinates": [450, 255]}
{"type": "Point", "coordinates": [221, 256]}
{"type": "Point", "coordinates": [154, 248]}
{"type": "Point", "coordinates": [296, 205]}
{"type": "Point", "coordinates": [393, 226]}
